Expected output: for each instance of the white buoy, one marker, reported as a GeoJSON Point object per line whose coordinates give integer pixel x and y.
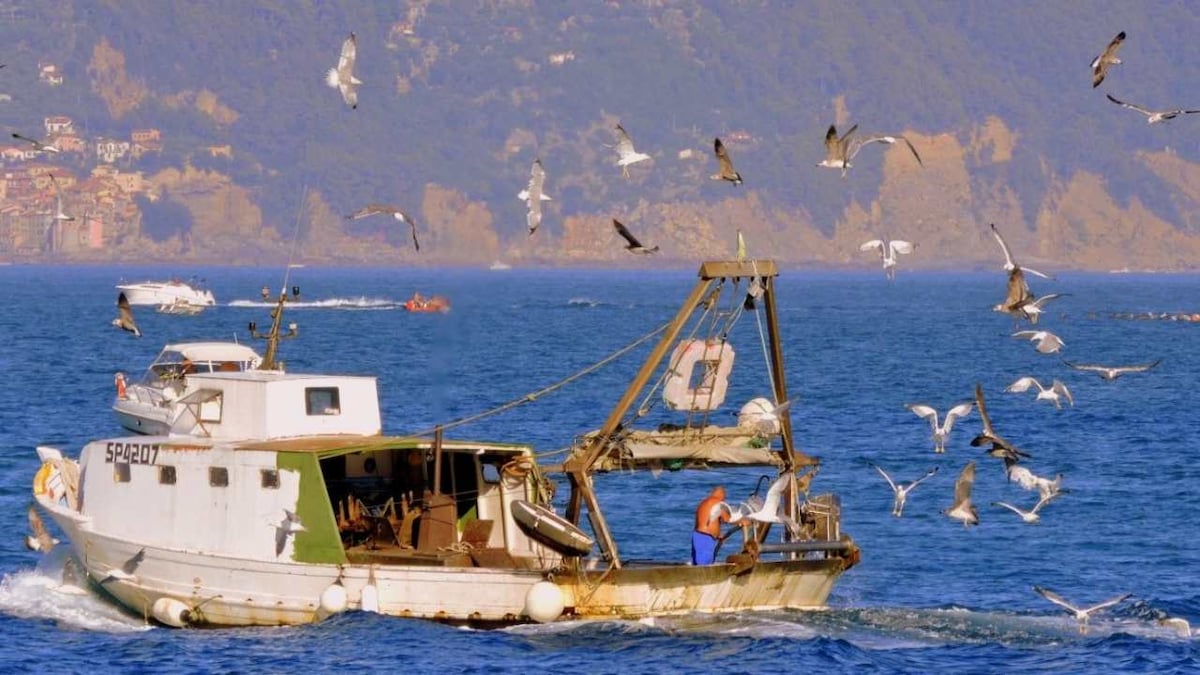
{"type": "Point", "coordinates": [544, 602]}
{"type": "Point", "coordinates": [368, 601]}
{"type": "Point", "coordinates": [333, 598]}
{"type": "Point", "coordinates": [171, 612]}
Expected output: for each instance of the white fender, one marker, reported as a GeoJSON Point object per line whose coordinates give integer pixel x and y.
{"type": "Point", "coordinates": [333, 598]}
{"type": "Point", "coordinates": [544, 602]}
{"type": "Point", "coordinates": [716, 357]}
{"type": "Point", "coordinates": [171, 612]}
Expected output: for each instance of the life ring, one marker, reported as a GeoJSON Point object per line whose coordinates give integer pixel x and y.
{"type": "Point", "coordinates": [119, 380]}
{"type": "Point", "coordinates": [49, 481]}
{"type": "Point", "coordinates": [717, 357]}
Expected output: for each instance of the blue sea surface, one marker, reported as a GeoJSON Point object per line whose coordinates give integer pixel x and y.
{"type": "Point", "coordinates": [929, 594]}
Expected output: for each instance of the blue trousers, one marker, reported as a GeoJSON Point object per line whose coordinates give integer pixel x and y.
{"type": "Point", "coordinates": [704, 548]}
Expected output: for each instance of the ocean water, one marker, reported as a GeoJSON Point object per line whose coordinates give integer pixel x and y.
{"type": "Point", "coordinates": [929, 595]}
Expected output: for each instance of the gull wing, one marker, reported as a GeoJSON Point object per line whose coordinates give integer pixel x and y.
{"type": "Point", "coordinates": [770, 505]}
{"type": "Point", "coordinates": [624, 143]}
{"type": "Point", "coordinates": [1061, 389]}
{"type": "Point", "coordinates": [1010, 507]}
{"type": "Point", "coordinates": [727, 171]}
{"type": "Point", "coordinates": [534, 196]}
{"type": "Point", "coordinates": [928, 412]}
{"type": "Point", "coordinates": [625, 234]}
{"type": "Point", "coordinates": [38, 528]}
{"type": "Point", "coordinates": [876, 244]}
{"type": "Point", "coordinates": [962, 486]}
{"type": "Point", "coordinates": [1140, 368]}
{"type": "Point", "coordinates": [885, 476]}
{"type": "Point", "coordinates": [1101, 63]}
{"type": "Point", "coordinates": [881, 138]}
{"type": "Point", "coordinates": [960, 410]}
{"type": "Point", "coordinates": [928, 474]}
{"type": "Point", "coordinates": [348, 55]}
{"type": "Point", "coordinates": [1023, 384]}
{"type": "Point", "coordinates": [1131, 106]}
{"type": "Point", "coordinates": [901, 246]}
{"type": "Point", "coordinates": [1088, 367]}
{"type": "Point", "coordinates": [1056, 599]}
{"type": "Point", "coordinates": [371, 210]}
{"type": "Point", "coordinates": [125, 313]}
{"type": "Point", "coordinates": [1008, 260]}
{"type": "Point", "coordinates": [1108, 603]}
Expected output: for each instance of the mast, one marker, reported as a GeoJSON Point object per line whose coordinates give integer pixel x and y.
{"type": "Point", "coordinates": [274, 335]}
{"type": "Point", "coordinates": [580, 467]}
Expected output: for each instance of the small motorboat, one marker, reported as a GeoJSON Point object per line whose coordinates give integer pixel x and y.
{"type": "Point", "coordinates": [420, 303]}
{"type": "Point", "coordinates": [167, 292]}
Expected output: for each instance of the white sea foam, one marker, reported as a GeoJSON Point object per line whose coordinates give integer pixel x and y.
{"type": "Point", "coordinates": [40, 593]}
{"type": "Point", "coordinates": [349, 303]}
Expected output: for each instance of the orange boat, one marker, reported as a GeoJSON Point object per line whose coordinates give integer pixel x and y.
{"type": "Point", "coordinates": [420, 303]}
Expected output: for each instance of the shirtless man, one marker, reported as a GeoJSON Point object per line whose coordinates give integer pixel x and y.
{"type": "Point", "coordinates": [709, 516]}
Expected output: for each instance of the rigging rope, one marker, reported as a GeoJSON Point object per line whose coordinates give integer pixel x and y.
{"type": "Point", "coordinates": [531, 397]}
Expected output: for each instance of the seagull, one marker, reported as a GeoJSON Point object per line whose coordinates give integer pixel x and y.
{"type": "Point", "coordinates": [126, 573]}
{"type": "Point", "coordinates": [1047, 342]}
{"type": "Point", "coordinates": [37, 145]}
{"type": "Point", "coordinates": [1107, 58]}
{"type": "Point", "coordinates": [1016, 296]}
{"type": "Point", "coordinates": [901, 491]}
{"type": "Point", "coordinates": [1031, 309]}
{"type": "Point", "coordinates": [40, 539]}
{"type": "Point", "coordinates": [58, 201]}
{"type": "Point", "coordinates": [1054, 393]}
{"type": "Point", "coordinates": [1113, 372]}
{"type": "Point", "coordinates": [125, 319]}
{"type": "Point", "coordinates": [1153, 116]}
{"type": "Point", "coordinates": [888, 253]}
{"type": "Point", "coordinates": [940, 433]}
{"type": "Point", "coordinates": [1031, 516]}
{"type": "Point", "coordinates": [1001, 448]}
{"type": "Point", "coordinates": [764, 510]}
{"type": "Point", "coordinates": [727, 171]}
{"type": "Point", "coordinates": [342, 78]}
{"type": "Point", "coordinates": [533, 196]}
{"type": "Point", "coordinates": [840, 150]}
{"type": "Point", "coordinates": [632, 244]}
{"type": "Point", "coordinates": [289, 525]}
{"type": "Point", "coordinates": [626, 155]}
{"type": "Point", "coordinates": [1028, 480]}
{"type": "Point", "coordinates": [963, 509]}
{"type": "Point", "coordinates": [1009, 263]}
{"type": "Point", "coordinates": [1081, 615]}
{"type": "Point", "coordinates": [766, 422]}
{"type": "Point", "coordinates": [372, 209]}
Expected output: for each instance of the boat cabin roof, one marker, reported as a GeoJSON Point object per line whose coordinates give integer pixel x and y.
{"type": "Point", "coordinates": [210, 351]}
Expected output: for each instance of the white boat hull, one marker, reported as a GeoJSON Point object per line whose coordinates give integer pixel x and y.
{"type": "Point", "coordinates": [166, 293]}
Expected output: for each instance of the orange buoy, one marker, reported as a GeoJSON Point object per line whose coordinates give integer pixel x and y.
{"type": "Point", "coordinates": [119, 380]}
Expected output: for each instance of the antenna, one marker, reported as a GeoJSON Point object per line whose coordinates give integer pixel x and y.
{"type": "Point", "coordinates": [273, 336]}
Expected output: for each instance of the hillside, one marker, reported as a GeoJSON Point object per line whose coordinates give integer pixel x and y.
{"type": "Point", "coordinates": [459, 98]}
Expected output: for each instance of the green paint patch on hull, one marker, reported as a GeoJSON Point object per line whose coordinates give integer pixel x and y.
{"type": "Point", "coordinates": [320, 541]}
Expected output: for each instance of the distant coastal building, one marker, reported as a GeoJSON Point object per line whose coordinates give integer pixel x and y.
{"type": "Point", "coordinates": [59, 124]}
{"type": "Point", "coordinates": [225, 151]}
{"type": "Point", "coordinates": [109, 150]}
{"type": "Point", "coordinates": [48, 73]}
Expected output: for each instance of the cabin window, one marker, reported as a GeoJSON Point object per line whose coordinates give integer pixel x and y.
{"type": "Point", "coordinates": [121, 473]}
{"type": "Point", "coordinates": [218, 476]}
{"type": "Point", "coordinates": [322, 401]}
{"type": "Point", "coordinates": [166, 475]}
{"type": "Point", "coordinates": [491, 473]}
{"type": "Point", "coordinates": [270, 479]}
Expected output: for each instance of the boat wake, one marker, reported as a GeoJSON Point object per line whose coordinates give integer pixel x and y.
{"type": "Point", "coordinates": [41, 593]}
{"type": "Point", "coordinates": [361, 303]}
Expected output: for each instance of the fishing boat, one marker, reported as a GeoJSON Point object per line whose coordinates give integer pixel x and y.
{"type": "Point", "coordinates": [167, 292]}
{"type": "Point", "coordinates": [278, 500]}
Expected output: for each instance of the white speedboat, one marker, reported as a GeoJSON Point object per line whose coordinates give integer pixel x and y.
{"type": "Point", "coordinates": [153, 404]}
{"type": "Point", "coordinates": [276, 500]}
{"type": "Point", "coordinates": [167, 293]}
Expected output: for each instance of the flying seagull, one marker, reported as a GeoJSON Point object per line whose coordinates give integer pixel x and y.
{"type": "Point", "coordinates": [39, 539]}
{"type": "Point", "coordinates": [1016, 296]}
{"type": "Point", "coordinates": [766, 422]}
{"type": "Point", "coordinates": [1009, 263]}
{"type": "Point", "coordinates": [963, 509]}
{"type": "Point", "coordinates": [763, 510]}
{"type": "Point", "coordinates": [1031, 516]}
{"type": "Point", "coordinates": [1028, 480]}
{"type": "Point", "coordinates": [631, 242]}
{"type": "Point", "coordinates": [888, 253]}
{"type": "Point", "coordinates": [1153, 116]}
{"type": "Point", "coordinates": [839, 150]}
{"type": "Point", "coordinates": [533, 196]}
{"type": "Point", "coordinates": [124, 320]}
{"type": "Point", "coordinates": [940, 433]}
{"type": "Point", "coordinates": [1001, 448]}
{"type": "Point", "coordinates": [727, 171]}
{"type": "Point", "coordinates": [626, 155]}
{"type": "Point", "coordinates": [128, 569]}
{"type": "Point", "coordinates": [288, 526]}
{"type": "Point", "coordinates": [1113, 372]}
{"type": "Point", "coordinates": [1047, 342]}
{"type": "Point", "coordinates": [1032, 309]}
{"type": "Point", "coordinates": [38, 145]}
{"type": "Point", "coordinates": [901, 491]}
{"type": "Point", "coordinates": [342, 78]}
{"type": "Point", "coordinates": [58, 201]}
{"type": "Point", "coordinates": [1107, 58]}
{"type": "Point", "coordinates": [1082, 615]}
{"type": "Point", "coordinates": [1054, 393]}
{"type": "Point", "coordinates": [372, 209]}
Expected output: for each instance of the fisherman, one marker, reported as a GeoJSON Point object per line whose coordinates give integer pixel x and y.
{"type": "Point", "coordinates": [709, 516]}
{"type": "Point", "coordinates": [266, 293]}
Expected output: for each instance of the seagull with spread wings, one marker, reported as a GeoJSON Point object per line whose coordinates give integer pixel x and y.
{"type": "Point", "coordinates": [1045, 341]}
{"type": "Point", "coordinates": [37, 145]}
{"type": "Point", "coordinates": [1152, 116]}
{"type": "Point", "coordinates": [1009, 263]}
{"type": "Point", "coordinates": [1054, 393]}
{"type": "Point", "coordinates": [1031, 516]}
{"type": "Point", "coordinates": [1113, 372]}
{"type": "Point", "coordinates": [124, 319]}
{"type": "Point", "coordinates": [39, 539]}
{"type": "Point", "coordinates": [888, 253]}
{"type": "Point", "coordinates": [840, 150]}
{"type": "Point", "coordinates": [1017, 295]}
{"type": "Point", "coordinates": [533, 196]}
{"type": "Point", "coordinates": [963, 510]}
{"type": "Point", "coordinates": [342, 78]}
{"type": "Point", "coordinates": [901, 490]}
{"type": "Point", "coordinates": [388, 209]}
{"type": "Point", "coordinates": [1081, 614]}
{"type": "Point", "coordinates": [626, 155]}
{"type": "Point", "coordinates": [727, 172]}
{"type": "Point", "coordinates": [1001, 448]}
{"type": "Point", "coordinates": [631, 242]}
{"type": "Point", "coordinates": [1107, 58]}
{"type": "Point", "coordinates": [941, 432]}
